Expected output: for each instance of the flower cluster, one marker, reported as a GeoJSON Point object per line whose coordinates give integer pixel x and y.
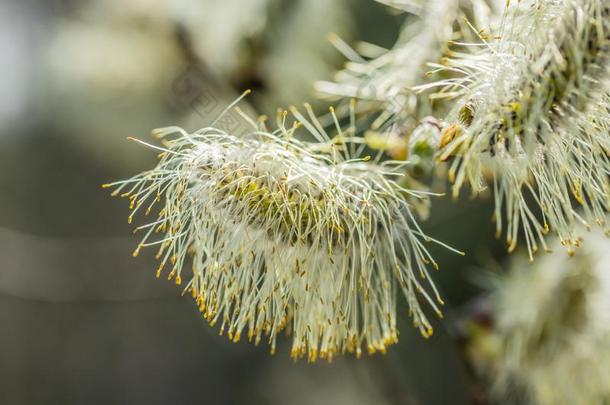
{"type": "Point", "coordinates": [553, 328]}
{"type": "Point", "coordinates": [272, 233]}
{"type": "Point", "coordinates": [534, 116]}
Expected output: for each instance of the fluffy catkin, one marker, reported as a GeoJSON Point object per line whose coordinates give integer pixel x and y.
{"type": "Point", "coordinates": [271, 233]}
{"type": "Point", "coordinates": [553, 328]}
{"type": "Point", "coordinates": [533, 116]}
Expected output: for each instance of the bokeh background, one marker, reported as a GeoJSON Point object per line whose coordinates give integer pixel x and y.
{"type": "Point", "coordinates": [83, 322]}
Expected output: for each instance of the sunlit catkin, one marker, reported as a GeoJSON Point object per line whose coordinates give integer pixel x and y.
{"type": "Point", "coordinates": [269, 233]}
{"type": "Point", "coordinates": [534, 118]}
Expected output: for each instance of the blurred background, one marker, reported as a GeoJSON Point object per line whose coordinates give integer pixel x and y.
{"type": "Point", "coordinates": [84, 322]}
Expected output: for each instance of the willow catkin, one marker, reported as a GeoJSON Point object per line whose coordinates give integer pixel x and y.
{"type": "Point", "coordinates": [553, 329]}
{"type": "Point", "coordinates": [271, 233]}
{"type": "Point", "coordinates": [533, 115]}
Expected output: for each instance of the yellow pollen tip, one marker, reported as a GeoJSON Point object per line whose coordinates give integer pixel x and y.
{"type": "Point", "coordinates": [451, 176]}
